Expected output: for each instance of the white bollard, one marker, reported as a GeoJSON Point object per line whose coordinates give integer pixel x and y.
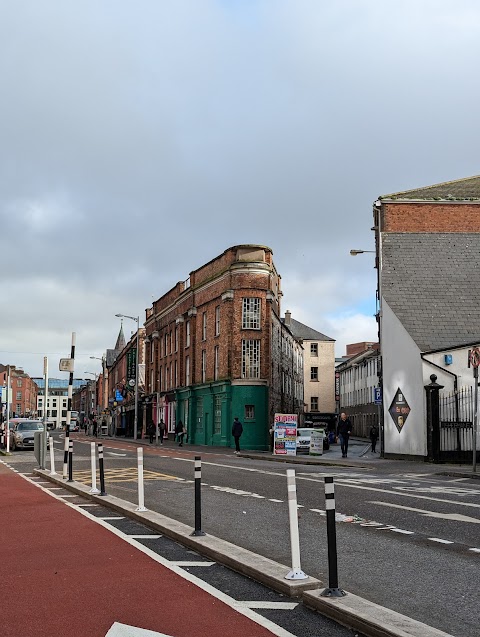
{"type": "Point", "coordinates": [94, 468]}
{"type": "Point", "coordinates": [296, 572]}
{"type": "Point", "coordinates": [52, 457]}
{"type": "Point", "coordinates": [141, 497]}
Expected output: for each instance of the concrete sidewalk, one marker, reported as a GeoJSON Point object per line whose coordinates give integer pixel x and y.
{"type": "Point", "coordinates": [359, 457]}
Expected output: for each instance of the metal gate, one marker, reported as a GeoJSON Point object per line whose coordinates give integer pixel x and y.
{"type": "Point", "coordinates": [456, 426]}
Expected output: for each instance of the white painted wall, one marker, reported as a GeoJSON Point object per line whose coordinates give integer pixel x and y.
{"type": "Point", "coordinates": [402, 368]}
{"type": "Point", "coordinates": [459, 366]}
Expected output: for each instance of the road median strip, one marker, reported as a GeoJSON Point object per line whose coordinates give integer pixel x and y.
{"type": "Point", "coordinates": [351, 611]}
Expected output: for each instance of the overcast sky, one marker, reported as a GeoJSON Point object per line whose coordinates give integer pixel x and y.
{"type": "Point", "coordinates": [141, 138]}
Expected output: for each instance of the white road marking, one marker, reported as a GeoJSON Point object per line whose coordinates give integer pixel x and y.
{"type": "Point", "coordinates": [112, 453]}
{"type": "Point", "coordinates": [110, 518]}
{"type": "Point", "coordinates": [274, 500]}
{"type": "Point", "coordinates": [124, 630]}
{"type": "Point", "coordinates": [321, 511]}
{"type": "Point", "coordinates": [88, 505]}
{"type": "Point", "coordinates": [475, 550]}
{"type": "Point", "coordinates": [144, 537]}
{"type": "Point", "coordinates": [270, 605]}
{"type": "Point", "coordinates": [250, 613]}
{"type": "Point", "coordinates": [440, 541]}
{"type": "Point", "coordinates": [185, 564]}
{"type": "Point", "coordinates": [402, 531]}
{"type": "Point", "coordinates": [455, 517]}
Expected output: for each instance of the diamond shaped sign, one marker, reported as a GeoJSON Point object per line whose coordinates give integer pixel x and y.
{"type": "Point", "coordinates": [399, 410]}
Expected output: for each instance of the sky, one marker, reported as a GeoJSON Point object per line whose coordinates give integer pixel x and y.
{"type": "Point", "coordinates": [139, 140]}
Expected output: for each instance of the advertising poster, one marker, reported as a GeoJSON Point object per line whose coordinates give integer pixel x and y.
{"type": "Point", "coordinates": [316, 442]}
{"type": "Point", "coordinates": [285, 435]}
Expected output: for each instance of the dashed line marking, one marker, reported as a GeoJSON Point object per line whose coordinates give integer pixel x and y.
{"type": "Point", "coordinates": [269, 605]}
{"type": "Point", "coordinates": [402, 531]}
{"type": "Point", "coordinates": [186, 563]}
{"type": "Point", "coordinates": [439, 540]}
{"type": "Point", "coordinates": [475, 550]}
{"type": "Point", "coordinates": [274, 500]}
{"type": "Point", "coordinates": [100, 517]}
{"type": "Point", "coordinates": [143, 537]}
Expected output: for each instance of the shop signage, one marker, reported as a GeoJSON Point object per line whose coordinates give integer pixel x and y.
{"type": "Point", "coordinates": [337, 386]}
{"type": "Point", "coordinates": [131, 363]}
{"type": "Point", "coordinates": [316, 442]}
{"type": "Point", "coordinates": [399, 410]}
{"type": "Point", "coordinates": [285, 435]}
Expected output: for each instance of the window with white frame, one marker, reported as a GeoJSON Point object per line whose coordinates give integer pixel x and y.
{"type": "Point", "coordinates": [314, 403]}
{"type": "Point", "coordinates": [217, 320]}
{"type": "Point", "coordinates": [217, 422]}
{"type": "Point", "coordinates": [171, 342]}
{"type": "Point", "coordinates": [204, 326]}
{"type": "Point", "coordinates": [249, 412]}
{"type": "Point", "coordinates": [176, 373]}
{"type": "Point", "coordinates": [187, 335]}
{"type": "Point", "coordinates": [159, 379]}
{"type": "Point", "coordinates": [313, 349]}
{"type": "Point", "coordinates": [19, 395]}
{"type": "Point", "coordinates": [251, 358]}
{"type": "Point", "coordinates": [204, 364]}
{"type": "Point", "coordinates": [251, 313]}
{"type": "Point", "coordinates": [19, 382]}
{"type": "Point", "coordinates": [152, 376]}
{"type": "Point", "coordinates": [313, 373]}
{"type": "Point", "coordinates": [187, 370]}
{"type": "Point", "coordinates": [217, 363]}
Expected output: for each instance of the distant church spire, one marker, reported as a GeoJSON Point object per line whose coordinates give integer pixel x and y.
{"type": "Point", "coordinates": [121, 339]}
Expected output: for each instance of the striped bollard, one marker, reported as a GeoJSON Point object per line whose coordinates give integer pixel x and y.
{"type": "Point", "coordinates": [141, 494]}
{"type": "Point", "coordinates": [65, 454]}
{"type": "Point", "coordinates": [332, 590]}
{"type": "Point", "coordinates": [70, 461]}
{"type": "Point", "coordinates": [102, 471]}
{"type": "Point", "coordinates": [52, 457]}
{"type": "Point", "coordinates": [93, 463]}
{"type": "Point", "coordinates": [198, 497]}
{"type": "Point", "coordinates": [296, 572]}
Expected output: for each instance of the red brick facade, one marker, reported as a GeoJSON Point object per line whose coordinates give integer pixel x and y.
{"type": "Point", "coordinates": [24, 391]}
{"type": "Point", "coordinates": [431, 216]}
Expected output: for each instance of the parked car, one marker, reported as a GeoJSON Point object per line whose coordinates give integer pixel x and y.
{"type": "Point", "coordinates": [22, 434]}
{"type": "Point", "coordinates": [74, 426]}
{"type": "Point", "coordinates": [303, 439]}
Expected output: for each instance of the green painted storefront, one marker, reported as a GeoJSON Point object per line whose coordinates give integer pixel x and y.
{"type": "Point", "coordinates": [208, 411]}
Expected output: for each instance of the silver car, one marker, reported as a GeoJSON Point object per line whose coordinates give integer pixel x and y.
{"type": "Point", "coordinates": [22, 434]}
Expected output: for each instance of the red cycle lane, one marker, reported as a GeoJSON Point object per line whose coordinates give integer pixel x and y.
{"type": "Point", "coordinates": [62, 574]}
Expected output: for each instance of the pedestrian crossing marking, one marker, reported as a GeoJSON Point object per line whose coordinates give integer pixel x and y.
{"type": "Point", "coordinates": [125, 474]}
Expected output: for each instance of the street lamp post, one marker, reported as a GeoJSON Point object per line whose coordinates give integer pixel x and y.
{"type": "Point", "coordinates": [137, 320]}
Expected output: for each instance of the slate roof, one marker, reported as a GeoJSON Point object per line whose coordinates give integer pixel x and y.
{"type": "Point", "coordinates": [304, 333]}
{"type": "Point", "coordinates": [467, 189]}
{"type": "Point", "coordinates": [432, 283]}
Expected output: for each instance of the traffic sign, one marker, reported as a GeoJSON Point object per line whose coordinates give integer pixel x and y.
{"type": "Point", "coordinates": [474, 357]}
{"type": "Point", "coordinates": [377, 394]}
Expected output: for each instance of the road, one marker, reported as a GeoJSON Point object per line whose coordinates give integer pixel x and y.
{"type": "Point", "coordinates": [409, 541]}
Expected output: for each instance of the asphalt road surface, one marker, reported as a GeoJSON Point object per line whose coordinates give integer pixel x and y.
{"type": "Point", "coordinates": [407, 541]}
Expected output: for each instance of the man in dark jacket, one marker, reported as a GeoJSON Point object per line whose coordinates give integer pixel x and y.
{"type": "Point", "coordinates": [344, 429]}
{"type": "Point", "coordinates": [237, 431]}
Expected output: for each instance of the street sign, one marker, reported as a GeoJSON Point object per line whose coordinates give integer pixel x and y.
{"type": "Point", "coordinates": [66, 365]}
{"type": "Point", "coordinates": [474, 357]}
{"type": "Point", "coordinates": [377, 394]}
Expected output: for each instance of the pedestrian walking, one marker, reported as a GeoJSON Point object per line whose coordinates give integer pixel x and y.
{"type": "Point", "coordinates": [161, 428]}
{"type": "Point", "coordinates": [180, 431]}
{"type": "Point", "coordinates": [374, 437]}
{"type": "Point", "coordinates": [151, 431]}
{"type": "Point", "coordinates": [237, 431]}
{"type": "Point", "coordinates": [344, 429]}
{"type": "Point", "coordinates": [95, 428]}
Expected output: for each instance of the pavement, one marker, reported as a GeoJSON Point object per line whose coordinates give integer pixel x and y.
{"type": "Point", "coordinates": [352, 611]}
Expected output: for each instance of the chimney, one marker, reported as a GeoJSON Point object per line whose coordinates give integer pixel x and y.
{"type": "Point", "coordinates": [288, 316]}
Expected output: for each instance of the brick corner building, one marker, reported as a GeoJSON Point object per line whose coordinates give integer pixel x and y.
{"type": "Point", "coordinates": [216, 348]}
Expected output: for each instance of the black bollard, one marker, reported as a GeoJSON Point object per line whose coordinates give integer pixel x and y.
{"type": "Point", "coordinates": [70, 461]}
{"type": "Point", "coordinates": [198, 498]}
{"type": "Point", "coordinates": [332, 590]}
{"type": "Point", "coordinates": [65, 454]}
{"type": "Point", "coordinates": [102, 472]}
